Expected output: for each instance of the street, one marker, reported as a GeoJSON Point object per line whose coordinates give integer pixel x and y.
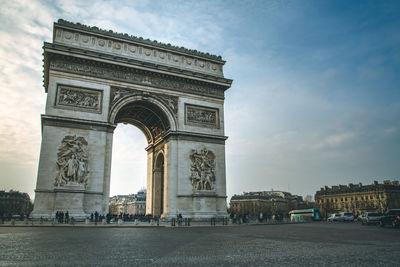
{"type": "Point", "coordinates": [333, 244]}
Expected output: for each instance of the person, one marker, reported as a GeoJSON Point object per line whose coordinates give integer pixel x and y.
{"type": "Point", "coordinates": [96, 216]}
{"type": "Point", "coordinates": [66, 217]}
{"type": "Point", "coordinates": [261, 216]}
{"type": "Point", "coordinates": [179, 219]}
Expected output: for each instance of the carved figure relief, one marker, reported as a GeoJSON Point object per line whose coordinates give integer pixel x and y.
{"type": "Point", "coordinates": [110, 72]}
{"type": "Point", "coordinates": [118, 93]}
{"type": "Point", "coordinates": [85, 99]}
{"type": "Point", "coordinates": [202, 169]}
{"type": "Point", "coordinates": [201, 116]}
{"type": "Point", "coordinates": [72, 161]}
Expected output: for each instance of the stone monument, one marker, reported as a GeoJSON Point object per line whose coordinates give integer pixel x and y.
{"type": "Point", "coordinates": [95, 79]}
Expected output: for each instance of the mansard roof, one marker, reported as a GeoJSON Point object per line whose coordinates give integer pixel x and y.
{"type": "Point", "coordinates": [351, 188]}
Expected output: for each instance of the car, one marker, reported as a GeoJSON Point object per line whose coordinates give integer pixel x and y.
{"type": "Point", "coordinates": [391, 217]}
{"type": "Point", "coordinates": [370, 218]}
{"type": "Point", "coordinates": [333, 217]}
{"type": "Point", "coordinates": [346, 217]}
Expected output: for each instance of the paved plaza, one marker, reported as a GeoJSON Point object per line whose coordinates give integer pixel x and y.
{"type": "Point", "coordinates": [347, 244]}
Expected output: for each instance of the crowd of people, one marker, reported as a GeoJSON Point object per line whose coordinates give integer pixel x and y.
{"type": "Point", "coordinates": [62, 217]}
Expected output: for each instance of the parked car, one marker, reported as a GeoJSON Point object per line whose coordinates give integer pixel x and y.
{"type": "Point", "coordinates": [391, 217]}
{"type": "Point", "coordinates": [333, 217]}
{"type": "Point", "coordinates": [346, 217]}
{"type": "Point", "coordinates": [371, 218]}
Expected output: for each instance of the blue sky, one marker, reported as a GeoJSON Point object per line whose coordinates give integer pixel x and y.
{"type": "Point", "coordinates": [315, 99]}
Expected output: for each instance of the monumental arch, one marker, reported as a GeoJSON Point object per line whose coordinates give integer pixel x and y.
{"type": "Point", "coordinates": [95, 79]}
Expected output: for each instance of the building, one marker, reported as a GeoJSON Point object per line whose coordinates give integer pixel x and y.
{"type": "Point", "coordinates": [358, 198]}
{"type": "Point", "coordinates": [133, 204]}
{"type": "Point", "coordinates": [15, 203]}
{"type": "Point", "coordinates": [266, 202]}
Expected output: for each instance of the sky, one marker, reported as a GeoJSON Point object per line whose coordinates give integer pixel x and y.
{"type": "Point", "coordinates": [315, 98]}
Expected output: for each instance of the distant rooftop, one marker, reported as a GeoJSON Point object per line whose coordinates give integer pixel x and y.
{"type": "Point", "coordinates": [350, 188]}
{"type": "Point", "coordinates": [128, 37]}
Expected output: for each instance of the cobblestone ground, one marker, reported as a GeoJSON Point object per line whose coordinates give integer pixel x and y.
{"type": "Point", "coordinates": [341, 244]}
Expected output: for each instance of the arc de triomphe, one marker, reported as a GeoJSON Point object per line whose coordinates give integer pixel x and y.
{"type": "Point", "coordinates": [95, 79]}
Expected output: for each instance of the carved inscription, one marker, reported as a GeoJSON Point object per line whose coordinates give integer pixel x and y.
{"type": "Point", "coordinates": [127, 75]}
{"type": "Point", "coordinates": [201, 116]}
{"type": "Point", "coordinates": [202, 169]}
{"type": "Point", "coordinates": [83, 99]}
{"type": "Point", "coordinates": [72, 161]}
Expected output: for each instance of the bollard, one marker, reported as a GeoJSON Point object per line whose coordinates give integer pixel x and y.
{"type": "Point", "coordinates": [86, 221]}
{"type": "Point", "coordinates": [173, 222]}
{"type": "Point", "coordinates": [158, 222]}
{"type": "Point", "coordinates": [72, 221]}
{"type": "Point", "coordinates": [13, 222]}
{"type": "Point", "coordinates": [136, 221]}
{"type": "Point", "coordinates": [103, 222]}
{"type": "Point", "coordinates": [120, 221]}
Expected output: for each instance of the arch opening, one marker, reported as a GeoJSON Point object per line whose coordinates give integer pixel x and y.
{"type": "Point", "coordinates": [154, 122]}
{"type": "Point", "coordinates": [158, 186]}
{"type": "Point", "coordinates": [150, 118]}
{"type": "Point", "coordinates": [128, 166]}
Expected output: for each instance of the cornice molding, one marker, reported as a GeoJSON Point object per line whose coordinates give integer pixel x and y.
{"type": "Point", "coordinates": [102, 70]}
{"type": "Point", "coordinates": [78, 26]}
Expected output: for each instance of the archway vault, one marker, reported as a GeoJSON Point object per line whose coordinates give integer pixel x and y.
{"type": "Point", "coordinates": [147, 113]}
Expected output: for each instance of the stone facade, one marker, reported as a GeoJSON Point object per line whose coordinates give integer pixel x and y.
{"type": "Point", "coordinates": [96, 79]}
{"type": "Point", "coordinates": [358, 198]}
{"type": "Point", "coordinates": [134, 204]}
{"type": "Point", "coordinates": [266, 202]}
{"type": "Point", "coordinates": [15, 203]}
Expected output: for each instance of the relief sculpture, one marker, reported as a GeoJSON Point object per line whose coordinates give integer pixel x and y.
{"type": "Point", "coordinates": [201, 116]}
{"type": "Point", "coordinates": [202, 169]}
{"type": "Point", "coordinates": [72, 161]}
{"type": "Point", "coordinates": [118, 93]}
{"type": "Point", "coordinates": [80, 98]}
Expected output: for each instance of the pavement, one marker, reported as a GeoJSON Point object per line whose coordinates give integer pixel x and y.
{"type": "Point", "coordinates": [308, 244]}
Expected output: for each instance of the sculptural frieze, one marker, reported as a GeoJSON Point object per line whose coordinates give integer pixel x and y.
{"type": "Point", "coordinates": [119, 93]}
{"type": "Point", "coordinates": [201, 116]}
{"type": "Point", "coordinates": [132, 76]}
{"type": "Point", "coordinates": [72, 161]}
{"type": "Point", "coordinates": [83, 99]}
{"type": "Point", "coordinates": [202, 169]}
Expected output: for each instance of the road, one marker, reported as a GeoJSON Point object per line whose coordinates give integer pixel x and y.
{"type": "Point", "coordinates": [338, 244]}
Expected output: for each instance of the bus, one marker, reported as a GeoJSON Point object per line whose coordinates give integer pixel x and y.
{"type": "Point", "coordinates": [306, 215]}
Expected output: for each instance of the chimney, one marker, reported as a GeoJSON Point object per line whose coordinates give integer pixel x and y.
{"type": "Point", "coordinates": [375, 182]}
{"type": "Point", "coordinates": [395, 183]}
{"type": "Point", "coordinates": [359, 184]}
{"type": "Point", "coordinates": [386, 182]}
{"type": "Point", "coordinates": [350, 185]}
